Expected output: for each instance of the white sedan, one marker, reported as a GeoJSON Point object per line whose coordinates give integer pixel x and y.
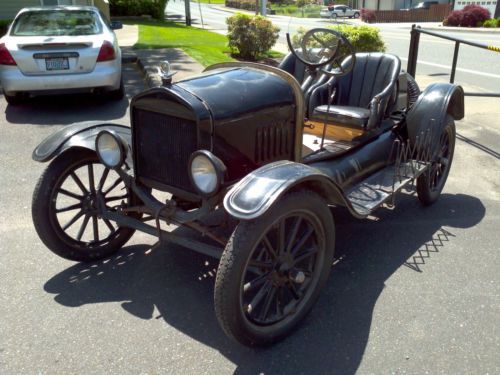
{"type": "Point", "coordinates": [51, 50]}
{"type": "Point", "coordinates": [339, 11]}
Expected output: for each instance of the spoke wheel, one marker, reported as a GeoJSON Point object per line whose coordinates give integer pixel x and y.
{"type": "Point", "coordinates": [431, 183]}
{"type": "Point", "coordinates": [66, 211]}
{"type": "Point", "coordinates": [273, 268]}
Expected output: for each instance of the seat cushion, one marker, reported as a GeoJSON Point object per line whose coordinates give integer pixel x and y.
{"type": "Point", "coordinates": [351, 116]}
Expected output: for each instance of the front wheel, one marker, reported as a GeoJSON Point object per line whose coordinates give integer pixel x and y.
{"type": "Point", "coordinates": [431, 183]}
{"type": "Point", "coordinates": [356, 15]}
{"type": "Point", "coordinates": [273, 268]}
{"type": "Point", "coordinates": [65, 210]}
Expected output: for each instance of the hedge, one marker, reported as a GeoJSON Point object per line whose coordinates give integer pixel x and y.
{"type": "Point", "coordinates": [154, 8]}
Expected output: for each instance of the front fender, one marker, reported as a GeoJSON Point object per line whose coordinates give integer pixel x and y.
{"type": "Point", "coordinates": [76, 135]}
{"type": "Point", "coordinates": [258, 191]}
{"type": "Point", "coordinates": [432, 106]}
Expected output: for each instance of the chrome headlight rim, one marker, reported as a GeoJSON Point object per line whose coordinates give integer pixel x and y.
{"type": "Point", "coordinates": [119, 147]}
{"type": "Point", "coordinates": [218, 167]}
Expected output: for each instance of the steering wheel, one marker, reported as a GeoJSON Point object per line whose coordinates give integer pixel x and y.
{"type": "Point", "coordinates": [320, 47]}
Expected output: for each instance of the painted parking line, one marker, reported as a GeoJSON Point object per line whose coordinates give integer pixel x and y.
{"type": "Point", "coordinates": [470, 71]}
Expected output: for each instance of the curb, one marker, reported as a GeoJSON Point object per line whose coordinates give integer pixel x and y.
{"type": "Point", "coordinates": [151, 77]}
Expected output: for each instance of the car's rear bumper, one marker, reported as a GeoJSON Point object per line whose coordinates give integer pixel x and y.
{"type": "Point", "coordinates": [106, 76]}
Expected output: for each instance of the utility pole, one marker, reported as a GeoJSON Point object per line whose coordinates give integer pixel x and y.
{"type": "Point", "coordinates": [497, 10]}
{"type": "Point", "coordinates": [187, 6]}
{"type": "Point", "coordinates": [263, 9]}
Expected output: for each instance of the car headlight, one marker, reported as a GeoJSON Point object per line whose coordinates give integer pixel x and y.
{"type": "Point", "coordinates": [206, 172]}
{"type": "Point", "coordinates": [110, 149]}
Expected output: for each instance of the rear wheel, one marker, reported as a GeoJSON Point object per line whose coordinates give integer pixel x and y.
{"type": "Point", "coordinates": [356, 15]}
{"type": "Point", "coordinates": [431, 183]}
{"type": "Point", "coordinates": [15, 99]}
{"type": "Point", "coordinates": [273, 268]}
{"type": "Point", "coordinates": [119, 93]}
{"type": "Point", "coordinates": [65, 212]}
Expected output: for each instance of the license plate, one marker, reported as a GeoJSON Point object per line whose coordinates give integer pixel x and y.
{"type": "Point", "coordinates": [61, 63]}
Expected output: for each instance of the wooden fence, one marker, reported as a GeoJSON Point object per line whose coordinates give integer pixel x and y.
{"type": "Point", "coordinates": [436, 13]}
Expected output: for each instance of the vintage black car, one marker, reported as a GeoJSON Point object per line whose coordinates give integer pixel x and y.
{"type": "Point", "coordinates": [266, 151]}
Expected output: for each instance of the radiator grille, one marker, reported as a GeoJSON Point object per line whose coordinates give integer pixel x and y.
{"type": "Point", "coordinates": [163, 145]}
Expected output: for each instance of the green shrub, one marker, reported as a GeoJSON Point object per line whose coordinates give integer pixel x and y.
{"type": "Point", "coordinates": [241, 4]}
{"type": "Point", "coordinates": [251, 36]}
{"type": "Point", "coordinates": [491, 23]}
{"type": "Point", "coordinates": [362, 38]}
{"type": "Point", "coordinates": [154, 8]}
{"type": "Point", "coordinates": [4, 25]}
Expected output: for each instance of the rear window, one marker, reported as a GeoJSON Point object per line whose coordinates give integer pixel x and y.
{"type": "Point", "coordinates": [57, 22]}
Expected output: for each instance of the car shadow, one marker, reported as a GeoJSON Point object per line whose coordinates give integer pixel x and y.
{"type": "Point", "coordinates": [332, 338]}
{"type": "Point", "coordinates": [71, 108]}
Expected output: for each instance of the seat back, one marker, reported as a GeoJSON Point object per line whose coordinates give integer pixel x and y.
{"type": "Point", "coordinates": [371, 84]}
{"type": "Point", "coordinates": [373, 74]}
{"type": "Point", "coordinates": [293, 66]}
{"type": "Point", "coordinates": [308, 83]}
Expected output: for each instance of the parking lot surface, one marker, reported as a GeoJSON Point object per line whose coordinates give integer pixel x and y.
{"type": "Point", "coordinates": [415, 290]}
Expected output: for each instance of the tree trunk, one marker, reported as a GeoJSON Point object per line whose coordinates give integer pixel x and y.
{"type": "Point", "coordinates": [497, 10]}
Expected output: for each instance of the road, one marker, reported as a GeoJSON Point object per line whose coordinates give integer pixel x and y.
{"type": "Point", "coordinates": [414, 290]}
{"type": "Point", "coordinates": [477, 69]}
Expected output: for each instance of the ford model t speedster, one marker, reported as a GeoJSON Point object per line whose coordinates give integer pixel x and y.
{"type": "Point", "coordinates": [267, 149]}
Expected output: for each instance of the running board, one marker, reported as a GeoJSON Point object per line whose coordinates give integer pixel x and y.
{"type": "Point", "coordinates": [381, 186]}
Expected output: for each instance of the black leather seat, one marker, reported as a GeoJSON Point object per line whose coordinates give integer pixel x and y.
{"type": "Point", "coordinates": [307, 81]}
{"type": "Point", "coordinates": [361, 98]}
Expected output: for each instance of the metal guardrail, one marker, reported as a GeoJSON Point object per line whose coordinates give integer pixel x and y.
{"type": "Point", "coordinates": [413, 53]}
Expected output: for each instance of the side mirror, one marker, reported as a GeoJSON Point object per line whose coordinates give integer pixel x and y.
{"type": "Point", "coordinates": [115, 25]}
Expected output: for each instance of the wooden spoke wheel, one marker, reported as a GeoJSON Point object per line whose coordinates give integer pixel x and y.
{"type": "Point", "coordinates": [431, 183]}
{"type": "Point", "coordinates": [273, 268]}
{"type": "Point", "coordinates": [65, 207]}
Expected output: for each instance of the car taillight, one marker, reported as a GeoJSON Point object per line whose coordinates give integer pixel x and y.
{"type": "Point", "coordinates": [107, 52]}
{"type": "Point", "coordinates": [5, 56]}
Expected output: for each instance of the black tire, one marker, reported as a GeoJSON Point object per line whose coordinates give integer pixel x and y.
{"type": "Point", "coordinates": [15, 99]}
{"type": "Point", "coordinates": [356, 15]}
{"type": "Point", "coordinates": [58, 184]}
{"type": "Point", "coordinates": [431, 183]}
{"type": "Point", "coordinates": [290, 286]}
{"type": "Point", "coordinates": [119, 93]}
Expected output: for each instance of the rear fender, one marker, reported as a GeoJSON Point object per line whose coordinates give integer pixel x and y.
{"type": "Point", "coordinates": [431, 108]}
{"type": "Point", "coordinates": [77, 135]}
{"type": "Point", "coordinates": [258, 191]}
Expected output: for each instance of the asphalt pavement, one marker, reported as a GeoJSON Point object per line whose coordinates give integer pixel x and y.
{"type": "Point", "coordinates": [414, 291]}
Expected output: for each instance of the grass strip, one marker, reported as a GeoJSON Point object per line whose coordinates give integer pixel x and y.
{"type": "Point", "coordinates": [204, 46]}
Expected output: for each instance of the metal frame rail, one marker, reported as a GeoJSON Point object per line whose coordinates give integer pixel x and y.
{"type": "Point", "coordinates": [413, 53]}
